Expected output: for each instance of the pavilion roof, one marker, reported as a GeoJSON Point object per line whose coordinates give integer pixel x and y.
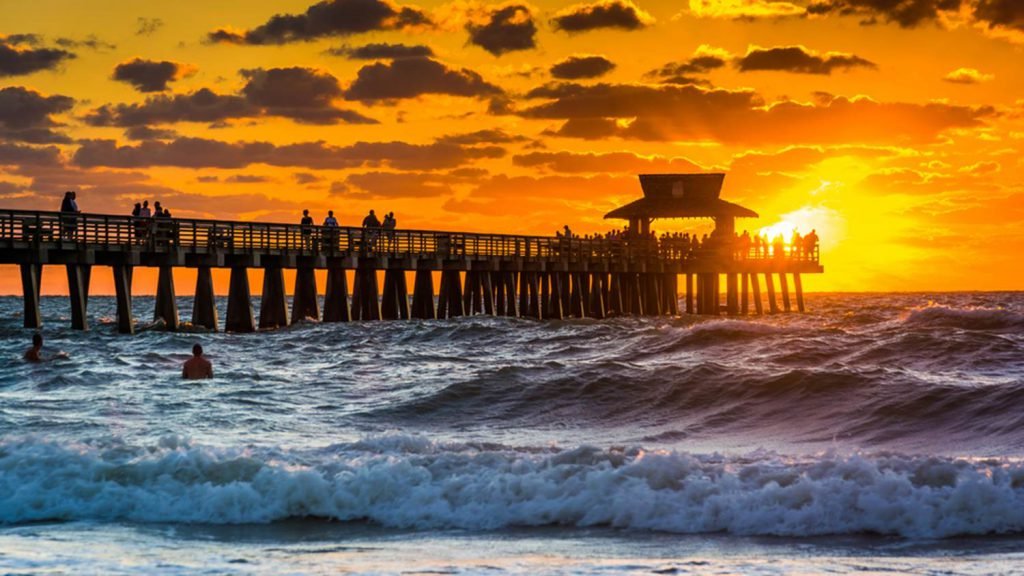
{"type": "Point", "coordinates": [681, 196]}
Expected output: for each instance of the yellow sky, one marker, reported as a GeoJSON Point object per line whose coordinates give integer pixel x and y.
{"type": "Point", "coordinates": [897, 135]}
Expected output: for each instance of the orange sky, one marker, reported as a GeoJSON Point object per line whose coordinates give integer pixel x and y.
{"type": "Point", "coordinates": [893, 128]}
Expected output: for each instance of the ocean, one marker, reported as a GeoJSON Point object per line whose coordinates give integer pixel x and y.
{"type": "Point", "coordinates": [877, 433]}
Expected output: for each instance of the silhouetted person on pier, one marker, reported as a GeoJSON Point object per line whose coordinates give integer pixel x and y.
{"type": "Point", "coordinates": [197, 367]}
{"type": "Point", "coordinates": [796, 245]}
{"type": "Point", "coordinates": [778, 247]}
{"type": "Point", "coordinates": [330, 239]}
{"type": "Point", "coordinates": [145, 212]}
{"type": "Point", "coordinates": [69, 206]}
{"type": "Point", "coordinates": [34, 354]}
{"type": "Point", "coordinates": [307, 229]}
{"type": "Point", "coordinates": [330, 221]}
{"type": "Point", "coordinates": [371, 227]}
{"type": "Point", "coordinates": [389, 228]}
{"type": "Point", "coordinates": [158, 211]}
{"type": "Point", "coordinates": [810, 243]}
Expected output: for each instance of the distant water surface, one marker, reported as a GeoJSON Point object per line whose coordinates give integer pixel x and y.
{"type": "Point", "coordinates": [875, 433]}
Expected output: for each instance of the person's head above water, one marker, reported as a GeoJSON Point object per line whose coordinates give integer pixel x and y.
{"type": "Point", "coordinates": [330, 212]}
{"type": "Point", "coordinates": [197, 349]}
{"type": "Point", "coordinates": [37, 340]}
{"type": "Point", "coordinates": [305, 212]}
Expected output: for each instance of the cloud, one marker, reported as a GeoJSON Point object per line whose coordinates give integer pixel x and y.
{"type": "Point", "coordinates": [1001, 13]}
{"type": "Point", "coordinates": [19, 155]}
{"type": "Point", "coordinates": [304, 95]}
{"type": "Point", "coordinates": [18, 60]}
{"type": "Point", "coordinates": [147, 133]}
{"type": "Point", "coordinates": [382, 51]}
{"type": "Point", "coordinates": [414, 77]}
{"type": "Point", "coordinates": [396, 185]}
{"type": "Point", "coordinates": [705, 59]}
{"type": "Point", "coordinates": [967, 76]}
{"type": "Point", "coordinates": [26, 115]}
{"type": "Point", "coordinates": [690, 113]}
{"type": "Point", "coordinates": [246, 179]}
{"type": "Point", "coordinates": [327, 19]}
{"type": "Point", "coordinates": [507, 29]}
{"type": "Point", "coordinates": [609, 163]}
{"type": "Point", "coordinates": [577, 67]}
{"type": "Point", "coordinates": [489, 136]}
{"type": "Point", "coordinates": [147, 26]}
{"type": "Point", "coordinates": [621, 14]}
{"type": "Point", "coordinates": [151, 75]}
{"type": "Point", "coordinates": [906, 13]}
{"type": "Point", "coordinates": [799, 60]}
{"type": "Point", "coordinates": [206, 153]}
{"type": "Point", "coordinates": [745, 9]}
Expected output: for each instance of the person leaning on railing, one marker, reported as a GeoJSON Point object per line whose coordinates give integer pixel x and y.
{"type": "Point", "coordinates": [69, 222]}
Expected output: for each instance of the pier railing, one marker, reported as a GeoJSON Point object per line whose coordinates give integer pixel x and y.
{"type": "Point", "coordinates": [104, 231]}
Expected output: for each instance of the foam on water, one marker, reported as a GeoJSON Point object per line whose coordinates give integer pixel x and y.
{"type": "Point", "coordinates": [406, 481]}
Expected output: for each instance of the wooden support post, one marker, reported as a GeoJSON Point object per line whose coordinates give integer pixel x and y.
{"type": "Point", "coordinates": [467, 292]}
{"type": "Point", "coordinates": [204, 307]}
{"type": "Point", "coordinates": [636, 303]}
{"type": "Point", "coordinates": [731, 289]}
{"type": "Point", "coordinates": [166, 302]}
{"type": "Point", "coordinates": [565, 292]}
{"type": "Point", "coordinates": [442, 297]}
{"type": "Point", "coordinates": [239, 316]}
{"type": "Point", "coordinates": [487, 292]}
{"type": "Point", "coordinates": [30, 276]}
{"type": "Point", "coordinates": [500, 302]}
{"type": "Point", "coordinates": [453, 298]}
{"type": "Point", "coordinates": [524, 294]}
{"type": "Point", "coordinates": [123, 291]}
{"type": "Point", "coordinates": [716, 293]}
{"type": "Point", "coordinates": [596, 308]}
{"type": "Point", "coordinates": [77, 297]}
{"type": "Point", "coordinates": [689, 293]}
{"type": "Point", "coordinates": [336, 297]}
{"type": "Point", "coordinates": [651, 294]}
{"type": "Point", "coordinates": [423, 295]}
{"type": "Point", "coordinates": [701, 296]}
{"type": "Point", "coordinates": [389, 299]}
{"type": "Point", "coordinates": [304, 297]}
{"type": "Point", "coordinates": [744, 293]}
{"type": "Point", "coordinates": [755, 283]}
{"type": "Point", "coordinates": [510, 293]}
{"type": "Point", "coordinates": [86, 277]}
{"type": "Point", "coordinates": [534, 306]}
{"type": "Point", "coordinates": [402, 289]}
{"type": "Point", "coordinates": [784, 288]}
{"type": "Point", "coordinates": [770, 285]}
{"type": "Point", "coordinates": [474, 292]}
{"type": "Point", "coordinates": [577, 302]}
{"type": "Point", "coordinates": [614, 304]}
{"type": "Point", "coordinates": [554, 302]}
{"type": "Point", "coordinates": [366, 296]}
{"type": "Point", "coordinates": [273, 304]}
{"type": "Point", "coordinates": [799, 286]}
{"type": "Point", "coordinates": [545, 294]}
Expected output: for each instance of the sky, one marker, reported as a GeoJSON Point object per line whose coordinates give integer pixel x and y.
{"type": "Point", "coordinates": [895, 128]}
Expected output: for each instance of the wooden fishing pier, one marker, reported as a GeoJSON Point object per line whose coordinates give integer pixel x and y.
{"type": "Point", "coordinates": [541, 277]}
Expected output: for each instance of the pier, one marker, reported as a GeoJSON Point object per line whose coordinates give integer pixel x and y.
{"type": "Point", "coordinates": [542, 277]}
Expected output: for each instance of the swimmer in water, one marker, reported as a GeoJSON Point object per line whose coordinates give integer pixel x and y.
{"type": "Point", "coordinates": [197, 367]}
{"type": "Point", "coordinates": [33, 353]}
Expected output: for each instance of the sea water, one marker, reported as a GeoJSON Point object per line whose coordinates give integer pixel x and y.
{"type": "Point", "coordinates": [876, 433]}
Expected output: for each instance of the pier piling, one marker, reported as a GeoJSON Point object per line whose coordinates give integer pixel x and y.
{"type": "Point", "coordinates": [123, 292]}
{"type": "Point", "coordinates": [784, 288]}
{"type": "Point", "coordinates": [239, 313]}
{"type": "Point", "coordinates": [773, 308]}
{"type": "Point", "coordinates": [204, 307]}
{"type": "Point", "coordinates": [273, 303]}
{"type": "Point", "coordinates": [30, 276]}
{"type": "Point", "coordinates": [304, 297]}
{"type": "Point", "coordinates": [423, 295]}
{"type": "Point", "coordinates": [336, 297]}
{"type": "Point", "coordinates": [799, 287]}
{"type": "Point", "coordinates": [166, 307]}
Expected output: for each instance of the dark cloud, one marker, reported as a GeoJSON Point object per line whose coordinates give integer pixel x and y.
{"type": "Point", "coordinates": [906, 13]}
{"type": "Point", "coordinates": [18, 155]}
{"type": "Point", "coordinates": [147, 26]}
{"type": "Point", "coordinates": [302, 94]}
{"type": "Point", "coordinates": [246, 179]}
{"type": "Point", "coordinates": [668, 113]}
{"type": "Point", "coordinates": [413, 77]}
{"type": "Point", "coordinates": [621, 14]}
{"type": "Point", "coordinates": [490, 136]}
{"type": "Point", "coordinates": [25, 115]}
{"type": "Point", "coordinates": [326, 19]}
{"type": "Point", "coordinates": [18, 60]}
{"type": "Point", "coordinates": [306, 178]}
{"type": "Point", "coordinates": [508, 28]}
{"type": "Point", "coordinates": [1005, 13]}
{"type": "Point", "coordinates": [610, 163]}
{"type": "Point", "coordinates": [92, 42]}
{"type": "Point", "coordinates": [679, 72]}
{"type": "Point", "coordinates": [577, 67]}
{"type": "Point", "coordinates": [382, 51]}
{"type": "Point", "coordinates": [798, 59]}
{"type": "Point", "coordinates": [147, 133]}
{"type": "Point", "coordinates": [395, 185]}
{"type": "Point", "coordinates": [150, 75]}
{"type": "Point", "coordinates": [205, 153]}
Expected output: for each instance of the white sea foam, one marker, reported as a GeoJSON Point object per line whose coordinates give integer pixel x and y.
{"type": "Point", "coordinates": [410, 483]}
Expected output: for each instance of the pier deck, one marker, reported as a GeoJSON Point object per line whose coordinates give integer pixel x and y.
{"type": "Point", "coordinates": [518, 275]}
